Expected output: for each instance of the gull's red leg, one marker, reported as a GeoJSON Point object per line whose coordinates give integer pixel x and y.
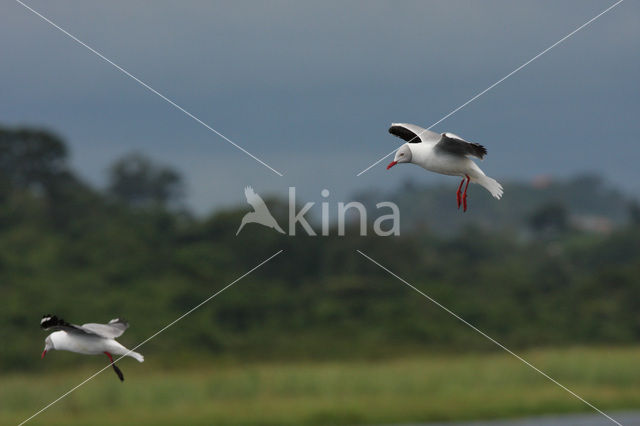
{"type": "Point", "coordinates": [464, 194]}
{"type": "Point", "coordinates": [458, 193]}
{"type": "Point", "coordinates": [115, 367]}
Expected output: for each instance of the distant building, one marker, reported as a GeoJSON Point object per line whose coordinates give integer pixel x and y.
{"type": "Point", "coordinates": [591, 223]}
{"type": "Point", "coordinates": [542, 181]}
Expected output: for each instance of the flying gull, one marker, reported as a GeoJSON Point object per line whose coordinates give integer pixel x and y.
{"type": "Point", "coordinates": [443, 153]}
{"type": "Point", "coordinates": [87, 339]}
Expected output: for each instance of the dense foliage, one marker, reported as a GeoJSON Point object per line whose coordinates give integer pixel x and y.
{"type": "Point", "coordinates": [88, 255]}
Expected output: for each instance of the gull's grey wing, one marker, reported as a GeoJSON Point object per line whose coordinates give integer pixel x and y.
{"type": "Point", "coordinates": [455, 145]}
{"type": "Point", "coordinates": [412, 133]}
{"type": "Point", "coordinates": [113, 329]}
{"type": "Point", "coordinates": [52, 322]}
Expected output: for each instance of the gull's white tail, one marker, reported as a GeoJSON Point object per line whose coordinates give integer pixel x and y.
{"type": "Point", "coordinates": [491, 185]}
{"type": "Point", "coordinates": [137, 356]}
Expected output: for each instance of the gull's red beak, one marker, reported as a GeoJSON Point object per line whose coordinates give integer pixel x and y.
{"type": "Point", "coordinates": [391, 164]}
{"type": "Point", "coordinates": [43, 354]}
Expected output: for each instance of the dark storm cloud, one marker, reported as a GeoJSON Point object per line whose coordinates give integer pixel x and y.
{"type": "Point", "coordinates": [311, 88]}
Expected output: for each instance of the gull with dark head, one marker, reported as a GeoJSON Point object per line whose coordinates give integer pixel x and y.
{"type": "Point", "coordinates": [443, 153]}
{"type": "Point", "coordinates": [87, 339]}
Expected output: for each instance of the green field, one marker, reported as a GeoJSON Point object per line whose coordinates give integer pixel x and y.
{"type": "Point", "coordinates": [425, 388]}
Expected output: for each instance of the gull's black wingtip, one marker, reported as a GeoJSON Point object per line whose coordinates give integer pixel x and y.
{"type": "Point", "coordinates": [49, 321]}
{"type": "Point", "coordinates": [480, 150]}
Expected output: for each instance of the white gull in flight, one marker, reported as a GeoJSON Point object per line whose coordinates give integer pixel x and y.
{"type": "Point", "coordinates": [88, 339]}
{"type": "Point", "coordinates": [443, 153]}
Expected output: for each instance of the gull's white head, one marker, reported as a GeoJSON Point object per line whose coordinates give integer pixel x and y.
{"type": "Point", "coordinates": [48, 345]}
{"type": "Point", "coordinates": [403, 155]}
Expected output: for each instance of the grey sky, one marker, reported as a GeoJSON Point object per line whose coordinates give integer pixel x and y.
{"type": "Point", "coordinates": [312, 87]}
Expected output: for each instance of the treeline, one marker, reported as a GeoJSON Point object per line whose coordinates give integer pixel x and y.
{"type": "Point", "coordinates": [133, 250]}
{"type": "Point", "coordinates": [541, 208]}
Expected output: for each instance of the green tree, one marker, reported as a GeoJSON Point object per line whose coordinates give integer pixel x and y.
{"type": "Point", "coordinates": [549, 220]}
{"type": "Point", "coordinates": [32, 159]}
{"type": "Point", "coordinates": [634, 213]}
{"type": "Point", "coordinates": [137, 182]}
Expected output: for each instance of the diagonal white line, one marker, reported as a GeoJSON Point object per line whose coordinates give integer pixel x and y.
{"type": "Point", "coordinates": [152, 336]}
{"type": "Point", "coordinates": [151, 89]}
{"type": "Point", "coordinates": [485, 335]}
{"type": "Point", "coordinates": [503, 79]}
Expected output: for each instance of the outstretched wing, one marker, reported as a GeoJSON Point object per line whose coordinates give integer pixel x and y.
{"type": "Point", "coordinates": [52, 322]}
{"type": "Point", "coordinates": [254, 199]}
{"type": "Point", "coordinates": [412, 133]}
{"type": "Point", "coordinates": [454, 144]}
{"type": "Point", "coordinates": [113, 329]}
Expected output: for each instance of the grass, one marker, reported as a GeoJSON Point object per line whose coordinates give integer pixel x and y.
{"type": "Point", "coordinates": [416, 389]}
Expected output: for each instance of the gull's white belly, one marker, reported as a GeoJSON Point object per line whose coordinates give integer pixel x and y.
{"type": "Point", "coordinates": [447, 164]}
{"type": "Point", "coordinates": [89, 345]}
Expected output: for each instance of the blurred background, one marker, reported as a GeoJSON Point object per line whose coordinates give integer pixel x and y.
{"type": "Point", "coordinates": [112, 203]}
